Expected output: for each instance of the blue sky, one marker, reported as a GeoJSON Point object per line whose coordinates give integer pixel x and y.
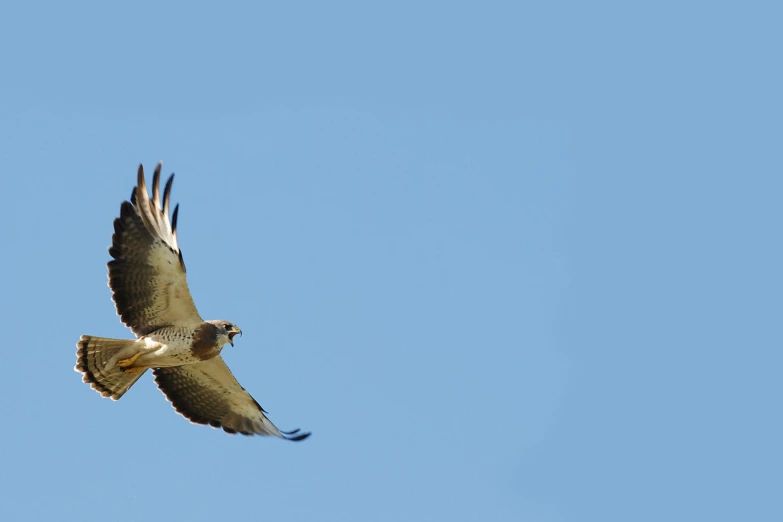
{"type": "Point", "coordinates": [506, 261]}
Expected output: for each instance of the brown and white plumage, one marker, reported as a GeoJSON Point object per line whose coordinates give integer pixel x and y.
{"type": "Point", "coordinates": [208, 393]}
{"type": "Point", "coordinates": [147, 276]}
{"type": "Point", "coordinates": [149, 285]}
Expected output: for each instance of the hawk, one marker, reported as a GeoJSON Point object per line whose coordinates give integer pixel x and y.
{"type": "Point", "coordinates": [150, 291]}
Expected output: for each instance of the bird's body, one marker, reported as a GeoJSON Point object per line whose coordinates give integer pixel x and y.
{"type": "Point", "coordinates": [171, 346]}
{"type": "Point", "coordinates": [149, 286]}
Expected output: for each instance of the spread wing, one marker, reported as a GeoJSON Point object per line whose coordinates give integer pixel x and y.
{"type": "Point", "coordinates": [147, 275]}
{"type": "Point", "coordinates": [208, 393]}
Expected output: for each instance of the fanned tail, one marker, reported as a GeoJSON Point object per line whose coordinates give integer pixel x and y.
{"type": "Point", "coordinates": [91, 361]}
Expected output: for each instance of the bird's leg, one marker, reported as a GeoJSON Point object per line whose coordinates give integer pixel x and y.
{"type": "Point", "coordinates": [134, 370]}
{"type": "Point", "coordinates": [126, 363]}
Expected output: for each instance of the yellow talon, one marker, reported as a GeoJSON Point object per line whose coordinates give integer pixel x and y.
{"type": "Point", "coordinates": [125, 363]}
{"type": "Point", "coordinates": [134, 370]}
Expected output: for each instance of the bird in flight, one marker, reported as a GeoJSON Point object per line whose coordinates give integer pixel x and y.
{"type": "Point", "coordinates": [150, 291]}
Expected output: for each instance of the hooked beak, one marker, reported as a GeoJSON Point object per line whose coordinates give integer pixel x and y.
{"type": "Point", "coordinates": [232, 333]}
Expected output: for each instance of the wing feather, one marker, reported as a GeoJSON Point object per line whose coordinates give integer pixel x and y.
{"type": "Point", "coordinates": [166, 196]}
{"type": "Point", "coordinates": [208, 393]}
{"type": "Point", "coordinates": [147, 274]}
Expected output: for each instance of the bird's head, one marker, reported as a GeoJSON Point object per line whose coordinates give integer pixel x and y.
{"type": "Point", "coordinates": [230, 329]}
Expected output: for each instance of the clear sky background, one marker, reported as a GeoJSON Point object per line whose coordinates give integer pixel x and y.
{"type": "Point", "coordinates": [507, 261]}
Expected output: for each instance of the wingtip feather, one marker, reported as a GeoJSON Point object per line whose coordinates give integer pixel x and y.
{"type": "Point", "coordinates": [298, 438]}
{"type": "Point", "coordinates": [174, 220]}
{"type": "Point", "coordinates": [167, 194]}
{"type": "Point", "coordinates": [156, 187]}
{"type": "Point", "coordinates": [140, 177]}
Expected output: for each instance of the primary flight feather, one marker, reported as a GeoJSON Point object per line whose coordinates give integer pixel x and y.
{"type": "Point", "coordinates": [150, 290]}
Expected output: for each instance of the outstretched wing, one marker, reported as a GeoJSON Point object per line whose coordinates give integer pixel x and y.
{"type": "Point", "coordinates": [147, 275]}
{"type": "Point", "coordinates": [208, 393]}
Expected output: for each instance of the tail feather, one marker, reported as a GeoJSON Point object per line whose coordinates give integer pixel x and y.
{"type": "Point", "coordinates": [92, 360]}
